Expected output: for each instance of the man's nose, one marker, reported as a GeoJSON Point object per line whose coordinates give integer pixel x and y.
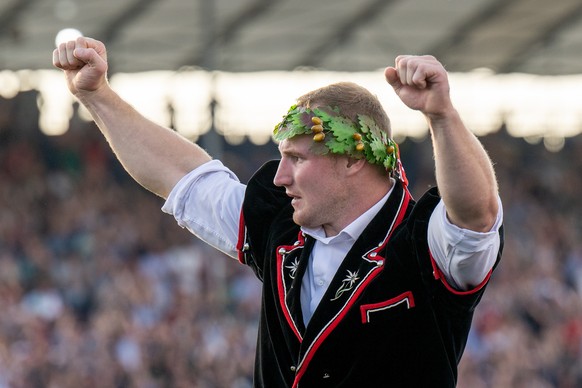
{"type": "Point", "coordinates": [282, 178]}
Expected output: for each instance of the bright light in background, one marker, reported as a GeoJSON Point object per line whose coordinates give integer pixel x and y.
{"type": "Point", "coordinates": [536, 108]}
{"type": "Point", "coordinates": [189, 94]}
{"type": "Point", "coordinates": [554, 144]}
{"type": "Point", "coordinates": [250, 104]}
{"type": "Point", "coordinates": [147, 92]}
{"type": "Point", "coordinates": [67, 34]}
{"type": "Point", "coordinates": [9, 84]}
{"type": "Point", "coordinates": [404, 121]}
{"type": "Point", "coordinates": [542, 106]}
{"type": "Point", "coordinates": [55, 103]}
{"type": "Point", "coordinates": [478, 92]}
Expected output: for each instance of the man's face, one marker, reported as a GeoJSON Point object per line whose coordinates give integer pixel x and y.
{"type": "Point", "coordinates": [314, 182]}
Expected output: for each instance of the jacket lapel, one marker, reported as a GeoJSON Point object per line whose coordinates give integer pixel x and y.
{"type": "Point", "coordinates": [360, 266]}
{"type": "Point", "coordinates": [291, 266]}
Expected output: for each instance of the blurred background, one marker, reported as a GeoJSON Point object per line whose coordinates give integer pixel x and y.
{"type": "Point", "coordinates": [99, 288]}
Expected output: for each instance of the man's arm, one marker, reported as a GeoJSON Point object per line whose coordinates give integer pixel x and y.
{"type": "Point", "coordinates": [156, 157]}
{"type": "Point", "coordinates": [464, 172]}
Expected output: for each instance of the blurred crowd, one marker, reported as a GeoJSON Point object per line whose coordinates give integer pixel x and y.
{"type": "Point", "coordinates": [527, 331]}
{"type": "Point", "coordinates": [99, 288]}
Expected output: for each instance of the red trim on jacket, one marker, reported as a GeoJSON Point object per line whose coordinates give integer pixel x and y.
{"type": "Point", "coordinates": [242, 236]}
{"type": "Point", "coordinates": [405, 297]}
{"type": "Point", "coordinates": [281, 284]}
{"type": "Point", "coordinates": [438, 275]}
{"type": "Point", "coordinates": [317, 343]}
{"type": "Point", "coordinates": [373, 255]}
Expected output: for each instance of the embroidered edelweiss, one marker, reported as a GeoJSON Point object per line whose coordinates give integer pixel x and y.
{"type": "Point", "coordinates": [347, 284]}
{"type": "Point", "coordinates": [293, 268]}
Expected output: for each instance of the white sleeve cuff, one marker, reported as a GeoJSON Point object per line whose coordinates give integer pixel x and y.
{"type": "Point", "coordinates": [465, 257]}
{"type": "Point", "coordinates": [207, 201]}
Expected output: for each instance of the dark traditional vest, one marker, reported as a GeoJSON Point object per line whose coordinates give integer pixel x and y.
{"type": "Point", "coordinates": [388, 318]}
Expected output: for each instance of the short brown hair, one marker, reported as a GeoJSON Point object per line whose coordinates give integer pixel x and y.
{"type": "Point", "coordinates": [351, 99]}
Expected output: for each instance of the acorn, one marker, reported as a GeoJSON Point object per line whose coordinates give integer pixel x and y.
{"type": "Point", "coordinates": [390, 149]}
{"type": "Point", "coordinates": [317, 128]}
{"type": "Point", "coordinates": [318, 137]}
{"type": "Point", "coordinates": [316, 120]}
{"type": "Point", "coordinates": [360, 146]}
{"type": "Point", "coordinates": [357, 136]}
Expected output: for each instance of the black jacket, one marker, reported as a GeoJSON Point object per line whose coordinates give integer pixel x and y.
{"type": "Point", "coordinates": [388, 318]}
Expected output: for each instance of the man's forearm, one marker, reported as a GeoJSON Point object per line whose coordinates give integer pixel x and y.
{"type": "Point", "coordinates": [464, 174]}
{"type": "Point", "coordinates": [156, 157]}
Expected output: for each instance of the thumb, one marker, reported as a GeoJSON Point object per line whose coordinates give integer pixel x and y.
{"type": "Point", "coordinates": [91, 52]}
{"type": "Point", "coordinates": [83, 54]}
{"type": "Point", "coordinates": [86, 55]}
{"type": "Point", "coordinates": [91, 59]}
{"type": "Point", "coordinates": [392, 77]}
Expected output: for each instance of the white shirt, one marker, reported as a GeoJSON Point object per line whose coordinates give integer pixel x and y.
{"type": "Point", "coordinates": [327, 255]}
{"type": "Point", "coordinates": [208, 201]}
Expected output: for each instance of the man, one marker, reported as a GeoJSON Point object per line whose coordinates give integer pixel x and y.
{"type": "Point", "coordinates": [362, 286]}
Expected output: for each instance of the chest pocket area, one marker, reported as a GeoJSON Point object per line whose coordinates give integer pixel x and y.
{"type": "Point", "coordinates": [397, 305]}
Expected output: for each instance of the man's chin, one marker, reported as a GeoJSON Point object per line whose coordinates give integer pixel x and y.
{"type": "Point", "coordinates": [298, 219]}
{"type": "Point", "coordinates": [302, 221]}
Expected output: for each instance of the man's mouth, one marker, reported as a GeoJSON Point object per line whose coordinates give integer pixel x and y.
{"type": "Point", "coordinates": [294, 199]}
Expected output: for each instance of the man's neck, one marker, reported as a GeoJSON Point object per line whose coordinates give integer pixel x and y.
{"type": "Point", "coordinates": [365, 206]}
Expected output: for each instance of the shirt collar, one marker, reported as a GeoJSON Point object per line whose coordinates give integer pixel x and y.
{"type": "Point", "coordinates": [354, 229]}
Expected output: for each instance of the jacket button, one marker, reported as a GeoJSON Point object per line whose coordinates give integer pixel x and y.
{"type": "Point", "coordinates": [293, 369]}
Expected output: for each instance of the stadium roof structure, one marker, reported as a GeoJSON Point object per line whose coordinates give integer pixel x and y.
{"type": "Point", "coordinates": [526, 36]}
{"type": "Point", "coordinates": [204, 64]}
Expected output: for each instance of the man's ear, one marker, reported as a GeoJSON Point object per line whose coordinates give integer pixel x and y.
{"type": "Point", "coordinates": [353, 165]}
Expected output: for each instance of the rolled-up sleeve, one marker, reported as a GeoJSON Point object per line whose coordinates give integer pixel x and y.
{"type": "Point", "coordinates": [465, 257]}
{"type": "Point", "coordinates": [207, 202]}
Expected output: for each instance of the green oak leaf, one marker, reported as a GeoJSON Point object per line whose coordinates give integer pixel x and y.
{"type": "Point", "coordinates": [378, 149]}
{"type": "Point", "coordinates": [366, 123]}
{"type": "Point", "coordinates": [343, 130]}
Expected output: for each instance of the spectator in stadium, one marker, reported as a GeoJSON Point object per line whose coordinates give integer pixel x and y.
{"type": "Point", "coordinates": [362, 285]}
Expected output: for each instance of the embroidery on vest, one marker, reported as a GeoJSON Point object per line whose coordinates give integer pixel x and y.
{"type": "Point", "coordinates": [347, 284]}
{"type": "Point", "coordinates": [293, 268]}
